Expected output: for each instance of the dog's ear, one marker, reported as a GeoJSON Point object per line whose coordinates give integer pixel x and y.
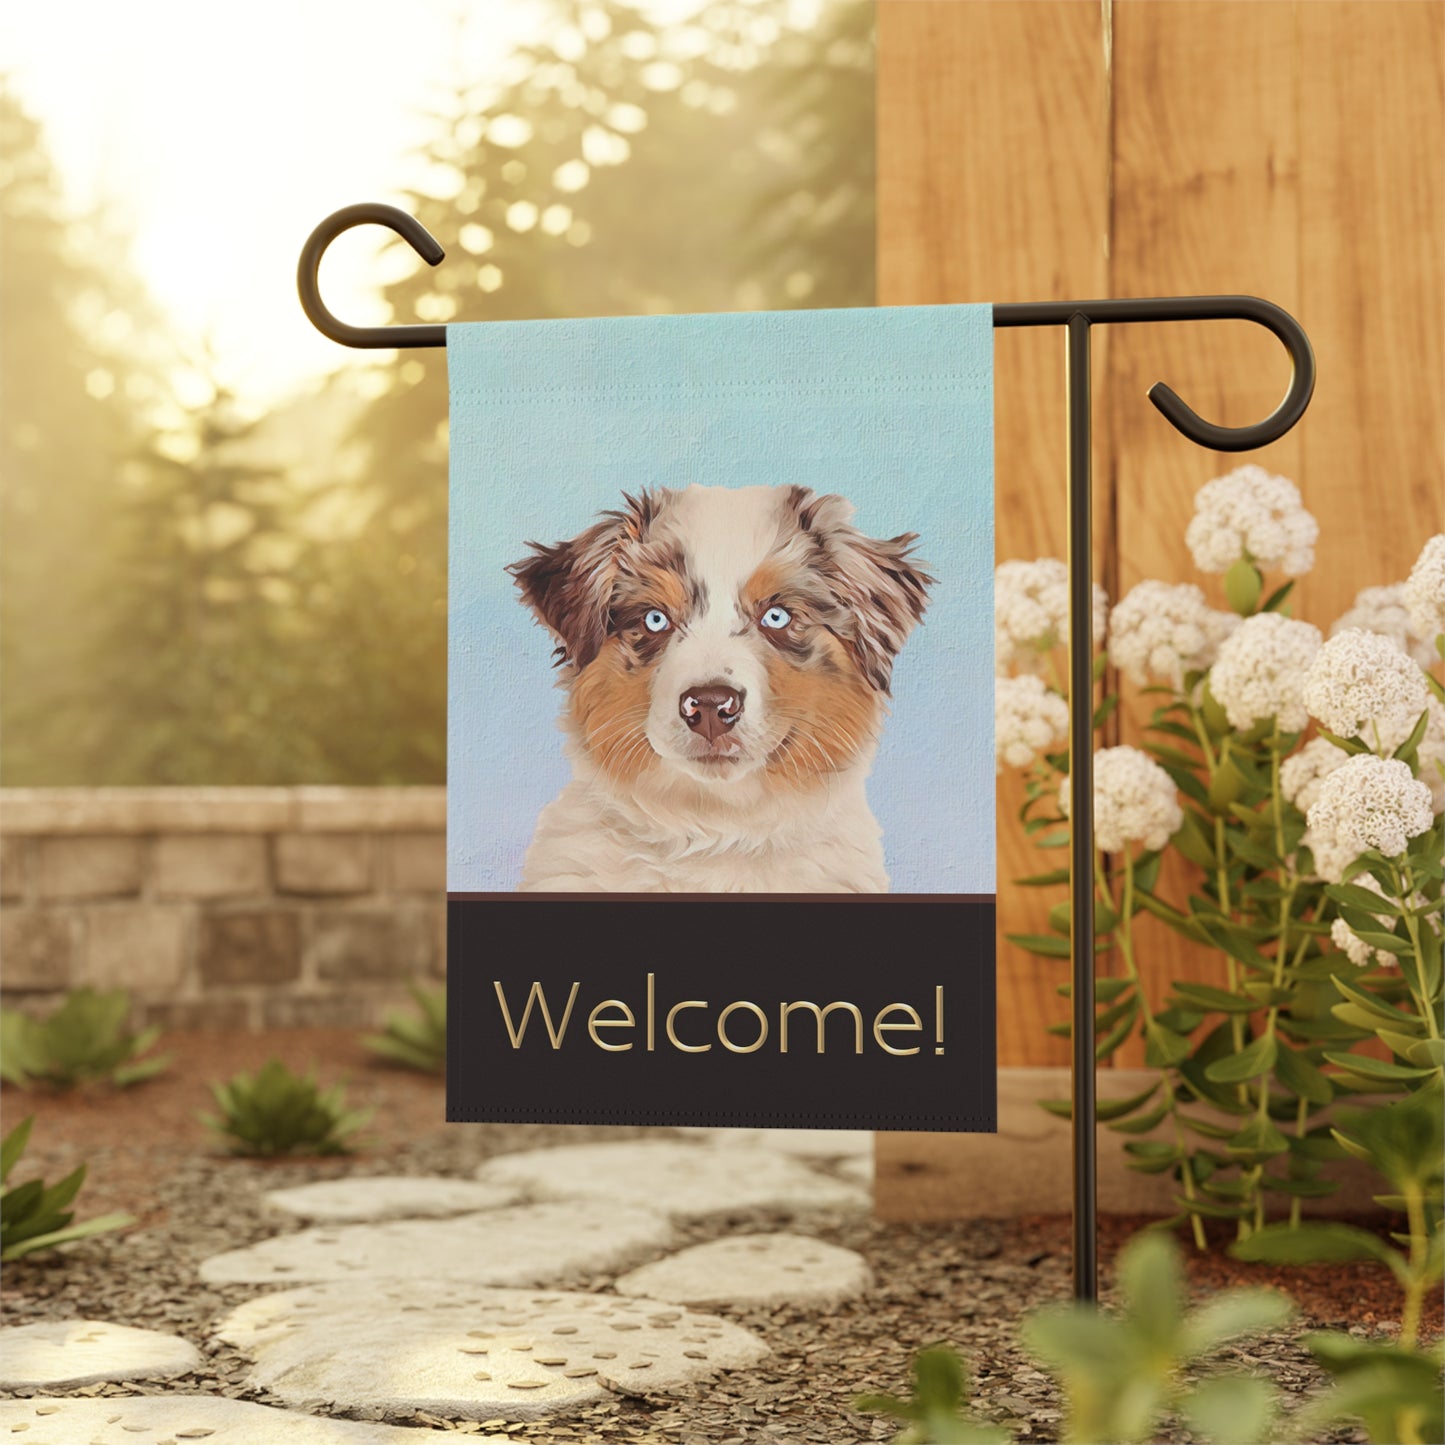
{"type": "Point", "coordinates": [569, 585]}
{"type": "Point", "coordinates": [880, 584]}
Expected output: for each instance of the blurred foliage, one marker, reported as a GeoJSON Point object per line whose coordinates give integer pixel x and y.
{"type": "Point", "coordinates": [84, 1040]}
{"type": "Point", "coordinates": [192, 596]}
{"type": "Point", "coordinates": [415, 1040]}
{"type": "Point", "coordinates": [275, 1112]}
{"type": "Point", "coordinates": [34, 1215]}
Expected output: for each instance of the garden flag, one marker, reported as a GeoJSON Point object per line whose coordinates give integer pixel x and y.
{"type": "Point", "coordinates": [720, 771]}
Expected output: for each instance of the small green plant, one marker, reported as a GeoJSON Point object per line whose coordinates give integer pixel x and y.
{"type": "Point", "coordinates": [1119, 1373]}
{"type": "Point", "coordinates": [278, 1112]}
{"type": "Point", "coordinates": [1393, 1387]}
{"type": "Point", "coordinates": [419, 1040]}
{"type": "Point", "coordinates": [83, 1040]}
{"type": "Point", "coordinates": [33, 1215]}
{"type": "Point", "coordinates": [936, 1413]}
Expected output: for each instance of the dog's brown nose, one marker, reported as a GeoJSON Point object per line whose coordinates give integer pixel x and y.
{"type": "Point", "coordinates": [711, 710]}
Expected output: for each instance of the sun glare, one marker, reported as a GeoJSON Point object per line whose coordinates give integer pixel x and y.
{"type": "Point", "coordinates": [218, 138]}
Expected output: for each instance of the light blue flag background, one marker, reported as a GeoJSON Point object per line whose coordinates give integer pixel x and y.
{"type": "Point", "coordinates": [551, 421]}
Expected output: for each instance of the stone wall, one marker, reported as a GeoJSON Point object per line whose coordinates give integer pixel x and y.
{"type": "Point", "coordinates": [224, 907]}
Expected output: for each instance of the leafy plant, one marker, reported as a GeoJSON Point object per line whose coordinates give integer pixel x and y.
{"type": "Point", "coordinates": [33, 1215]}
{"type": "Point", "coordinates": [278, 1112]}
{"type": "Point", "coordinates": [1324, 943]}
{"type": "Point", "coordinates": [84, 1039]}
{"type": "Point", "coordinates": [936, 1410]}
{"type": "Point", "coordinates": [1121, 1372]}
{"type": "Point", "coordinates": [419, 1040]}
{"type": "Point", "coordinates": [1394, 1387]}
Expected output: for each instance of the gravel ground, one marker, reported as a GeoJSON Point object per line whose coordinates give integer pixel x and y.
{"type": "Point", "coordinates": [966, 1283]}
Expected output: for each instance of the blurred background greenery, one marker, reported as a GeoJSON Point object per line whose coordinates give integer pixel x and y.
{"type": "Point", "coordinates": [195, 588]}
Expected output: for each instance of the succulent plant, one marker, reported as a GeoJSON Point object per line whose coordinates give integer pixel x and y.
{"type": "Point", "coordinates": [33, 1215]}
{"type": "Point", "coordinates": [85, 1039]}
{"type": "Point", "coordinates": [419, 1040]}
{"type": "Point", "coordinates": [278, 1112]}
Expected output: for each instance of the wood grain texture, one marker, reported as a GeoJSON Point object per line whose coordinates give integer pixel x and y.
{"type": "Point", "coordinates": [992, 170]}
{"type": "Point", "coordinates": [1295, 150]}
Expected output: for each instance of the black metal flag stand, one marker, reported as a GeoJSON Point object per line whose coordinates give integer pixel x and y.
{"type": "Point", "coordinates": [1077, 317]}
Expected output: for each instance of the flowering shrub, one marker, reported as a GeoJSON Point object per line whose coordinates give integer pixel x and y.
{"type": "Point", "coordinates": [1302, 780]}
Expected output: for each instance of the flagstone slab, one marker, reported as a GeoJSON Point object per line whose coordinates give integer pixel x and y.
{"type": "Point", "coordinates": [89, 1352]}
{"type": "Point", "coordinates": [181, 1419]}
{"type": "Point", "coordinates": [859, 1169]}
{"type": "Point", "coordinates": [804, 1143]}
{"type": "Point", "coordinates": [753, 1269]}
{"type": "Point", "coordinates": [525, 1244]}
{"type": "Point", "coordinates": [379, 1197]}
{"type": "Point", "coordinates": [688, 1181]}
{"type": "Point", "coordinates": [474, 1353]}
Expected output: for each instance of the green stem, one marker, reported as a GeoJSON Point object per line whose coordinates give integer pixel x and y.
{"type": "Point", "coordinates": [1419, 1247]}
{"type": "Point", "coordinates": [1404, 882]}
{"type": "Point", "coordinates": [1301, 1117]}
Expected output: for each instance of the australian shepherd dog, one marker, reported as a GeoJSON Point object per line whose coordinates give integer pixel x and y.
{"type": "Point", "coordinates": [726, 655]}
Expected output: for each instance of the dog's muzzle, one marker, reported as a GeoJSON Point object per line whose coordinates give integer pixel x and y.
{"type": "Point", "coordinates": [711, 710]}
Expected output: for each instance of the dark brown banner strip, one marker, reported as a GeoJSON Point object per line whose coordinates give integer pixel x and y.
{"type": "Point", "coordinates": [732, 1011]}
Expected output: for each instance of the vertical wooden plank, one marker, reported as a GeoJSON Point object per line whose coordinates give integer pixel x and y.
{"type": "Point", "coordinates": [1205, 199]}
{"type": "Point", "coordinates": [992, 163]}
{"type": "Point", "coordinates": [1372, 239]}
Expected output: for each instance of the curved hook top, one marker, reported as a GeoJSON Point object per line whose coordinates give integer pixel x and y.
{"type": "Point", "coordinates": [1178, 412]}
{"type": "Point", "coordinates": [308, 268]}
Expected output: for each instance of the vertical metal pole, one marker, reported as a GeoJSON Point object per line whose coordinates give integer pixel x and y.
{"type": "Point", "coordinates": [1081, 812]}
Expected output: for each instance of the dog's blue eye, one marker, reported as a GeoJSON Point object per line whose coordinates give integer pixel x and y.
{"type": "Point", "coordinates": [776, 617]}
{"type": "Point", "coordinates": [656, 621]}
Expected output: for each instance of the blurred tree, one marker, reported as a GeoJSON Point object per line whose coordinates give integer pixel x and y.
{"type": "Point", "coordinates": [202, 663]}
{"type": "Point", "coordinates": [71, 405]}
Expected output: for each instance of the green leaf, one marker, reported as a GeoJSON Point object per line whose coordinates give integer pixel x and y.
{"type": "Point", "coordinates": [1044, 880]}
{"type": "Point", "coordinates": [1312, 1243]}
{"type": "Point", "coordinates": [1249, 1063]}
{"type": "Point", "coordinates": [1230, 1315]}
{"type": "Point", "coordinates": [1369, 1068]}
{"type": "Point", "coordinates": [1163, 1047]}
{"type": "Point", "coordinates": [1408, 749]}
{"type": "Point", "coordinates": [1106, 990]}
{"type": "Point", "coordinates": [1352, 895]}
{"type": "Point", "coordinates": [13, 1146]}
{"type": "Point", "coordinates": [1043, 944]}
{"type": "Point", "coordinates": [1232, 1409]}
{"type": "Point", "coordinates": [1103, 1108]}
{"type": "Point", "coordinates": [1260, 1139]}
{"type": "Point", "coordinates": [1348, 745]}
{"type": "Point", "coordinates": [1301, 1077]}
{"type": "Point", "coordinates": [1216, 1000]}
{"type": "Point", "coordinates": [100, 1225]}
{"type": "Point", "coordinates": [1276, 599]}
{"type": "Point", "coordinates": [1142, 1123]}
{"type": "Point", "coordinates": [1242, 586]}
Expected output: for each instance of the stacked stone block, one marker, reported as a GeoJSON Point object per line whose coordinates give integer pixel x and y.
{"type": "Point", "coordinates": [224, 907]}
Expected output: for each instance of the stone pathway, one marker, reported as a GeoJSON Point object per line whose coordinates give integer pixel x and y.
{"type": "Point", "coordinates": [753, 1269]}
{"type": "Point", "coordinates": [385, 1196]}
{"type": "Point", "coordinates": [685, 1180]}
{"type": "Point", "coordinates": [85, 1352]}
{"type": "Point", "coordinates": [475, 1354]}
{"type": "Point", "coordinates": [180, 1419]}
{"type": "Point", "coordinates": [426, 1298]}
{"type": "Point", "coordinates": [526, 1244]}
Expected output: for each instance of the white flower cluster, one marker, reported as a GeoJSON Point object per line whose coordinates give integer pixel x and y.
{"type": "Point", "coordinates": [1351, 944]}
{"type": "Point", "coordinates": [1031, 613]}
{"type": "Point", "coordinates": [1425, 590]}
{"type": "Point", "coordinates": [1028, 719]}
{"type": "Point", "coordinates": [1369, 802]}
{"type": "Point", "coordinates": [1301, 773]}
{"type": "Point", "coordinates": [1261, 669]}
{"type": "Point", "coordinates": [1135, 801]}
{"type": "Point", "coordinates": [1160, 632]}
{"type": "Point", "coordinates": [1253, 515]}
{"type": "Point", "coordinates": [1361, 684]}
{"type": "Point", "coordinates": [1383, 610]}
